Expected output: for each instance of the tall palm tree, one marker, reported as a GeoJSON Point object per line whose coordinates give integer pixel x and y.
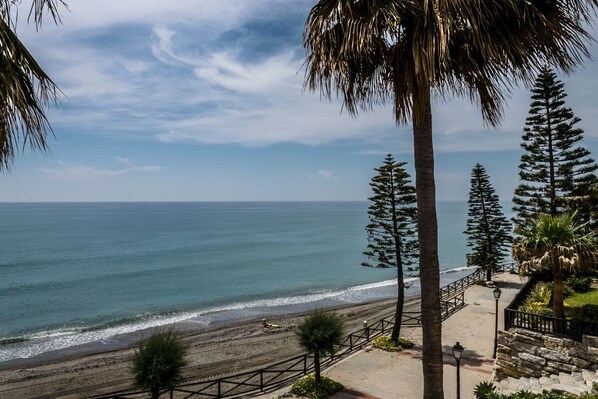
{"type": "Point", "coordinates": [405, 52]}
{"type": "Point", "coordinates": [558, 243]}
{"type": "Point", "coordinates": [25, 89]}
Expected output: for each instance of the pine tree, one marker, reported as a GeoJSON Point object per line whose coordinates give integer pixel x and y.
{"type": "Point", "coordinates": [488, 230]}
{"type": "Point", "coordinates": [392, 228]}
{"type": "Point", "coordinates": [554, 166]}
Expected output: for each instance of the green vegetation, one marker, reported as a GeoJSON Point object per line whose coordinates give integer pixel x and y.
{"type": "Point", "coordinates": [578, 300]}
{"type": "Point", "coordinates": [488, 230]}
{"type": "Point", "coordinates": [390, 345]}
{"type": "Point", "coordinates": [544, 395]}
{"type": "Point", "coordinates": [26, 88]}
{"type": "Point", "coordinates": [581, 305]}
{"type": "Point", "coordinates": [485, 390]}
{"type": "Point", "coordinates": [558, 243]}
{"type": "Point", "coordinates": [554, 165]}
{"type": "Point", "coordinates": [392, 231]}
{"type": "Point", "coordinates": [319, 333]}
{"type": "Point", "coordinates": [158, 362]}
{"type": "Point", "coordinates": [308, 387]}
{"type": "Point", "coordinates": [407, 53]}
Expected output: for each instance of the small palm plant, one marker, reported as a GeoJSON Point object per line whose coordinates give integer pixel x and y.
{"type": "Point", "coordinates": [318, 333]}
{"type": "Point", "coordinates": [559, 243]}
{"type": "Point", "coordinates": [158, 363]}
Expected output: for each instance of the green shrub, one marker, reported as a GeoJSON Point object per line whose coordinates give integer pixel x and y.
{"type": "Point", "coordinates": [385, 343]}
{"type": "Point", "coordinates": [309, 388]}
{"type": "Point", "coordinates": [158, 362]}
{"type": "Point", "coordinates": [540, 293]}
{"type": "Point", "coordinates": [484, 389]}
{"type": "Point", "coordinates": [578, 283]}
{"type": "Point", "coordinates": [531, 395]}
{"type": "Point", "coordinates": [589, 312]}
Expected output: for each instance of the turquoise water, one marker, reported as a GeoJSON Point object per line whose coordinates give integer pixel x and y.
{"type": "Point", "coordinates": [74, 273]}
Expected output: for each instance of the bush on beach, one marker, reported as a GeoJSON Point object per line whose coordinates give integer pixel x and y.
{"type": "Point", "coordinates": [319, 333]}
{"type": "Point", "coordinates": [158, 362]}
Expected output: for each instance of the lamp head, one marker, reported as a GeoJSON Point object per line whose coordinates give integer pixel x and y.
{"type": "Point", "coordinates": [497, 293]}
{"type": "Point", "coordinates": [457, 351]}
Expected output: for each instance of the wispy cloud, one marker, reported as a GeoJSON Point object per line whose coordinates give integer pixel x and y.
{"type": "Point", "coordinates": [212, 72]}
{"type": "Point", "coordinates": [325, 174]}
{"type": "Point", "coordinates": [69, 171]}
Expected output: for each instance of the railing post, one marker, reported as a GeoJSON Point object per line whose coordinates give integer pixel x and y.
{"type": "Point", "coordinates": [171, 394]}
{"type": "Point", "coordinates": [261, 380]}
{"type": "Point", "coordinates": [382, 326]}
{"type": "Point", "coordinates": [350, 342]}
{"type": "Point", "coordinates": [304, 364]}
{"type": "Point", "coordinates": [219, 389]}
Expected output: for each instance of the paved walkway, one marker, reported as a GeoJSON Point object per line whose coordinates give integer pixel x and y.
{"type": "Point", "coordinates": [376, 374]}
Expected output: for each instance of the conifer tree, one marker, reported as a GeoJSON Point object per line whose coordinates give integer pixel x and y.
{"type": "Point", "coordinates": [392, 228]}
{"type": "Point", "coordinates": [554, 166]}
{"type": "Point", "coordinates": [488, 230]}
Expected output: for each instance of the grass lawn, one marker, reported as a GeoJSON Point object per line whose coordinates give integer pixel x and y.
{"type": "Point", "coordinates": [577, 300]}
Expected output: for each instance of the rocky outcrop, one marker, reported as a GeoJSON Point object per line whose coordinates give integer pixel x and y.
{"type": "Point", "coordinates": [541, 361]}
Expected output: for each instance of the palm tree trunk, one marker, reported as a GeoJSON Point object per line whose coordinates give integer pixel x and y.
{"type": "Point", "coordinates": [427, 229]}
{"type": "Point", "coordinates": [558, 306]}
{"type": "Point", "coordinates": [396, 328]}
{"type": "Point", "coordinates": [317, 366]}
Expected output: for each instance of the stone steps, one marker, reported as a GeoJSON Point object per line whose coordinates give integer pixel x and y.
{"type": "Point", "coordinates": [564, 383]}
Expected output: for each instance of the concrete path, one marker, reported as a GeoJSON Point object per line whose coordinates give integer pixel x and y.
{"type": "Point", "coordinates": [374, 373]}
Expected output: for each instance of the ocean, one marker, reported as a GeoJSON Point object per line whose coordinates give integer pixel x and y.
{"type": "Point", "coordinates": [75, 274]}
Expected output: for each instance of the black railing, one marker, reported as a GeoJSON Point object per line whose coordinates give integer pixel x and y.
{"type": "Point", "coordinates": [474, 278]}
{"type": "Point", "coordinates": [276, 375]}
{"type": "Point", "coordinates": [568, 328]}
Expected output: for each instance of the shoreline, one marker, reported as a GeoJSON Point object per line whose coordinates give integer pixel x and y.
{"type": "Point", "coordinates": [59, 344]}
{"type": "Point", "coordinates": [213, 351]}
{"type": "Point", "coordinates": [185, 329]}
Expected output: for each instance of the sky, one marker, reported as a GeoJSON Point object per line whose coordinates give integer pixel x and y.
{"type": "Point", "coordinates": [193, 100]}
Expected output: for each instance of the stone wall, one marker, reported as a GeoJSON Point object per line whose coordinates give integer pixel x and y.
{"type": "Point", "coordinates": [523, 353]}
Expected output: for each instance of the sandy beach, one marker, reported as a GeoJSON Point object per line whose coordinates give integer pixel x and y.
{"type": "Point", "coordinates": [246, 345]}
{"type": "Point", "coordinates": [213, 351]}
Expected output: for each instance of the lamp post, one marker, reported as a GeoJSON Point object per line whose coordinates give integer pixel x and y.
{"type": "Point", "coordinates": [496, 293]}
{"type": "Point", "coordinates": [457, 351]}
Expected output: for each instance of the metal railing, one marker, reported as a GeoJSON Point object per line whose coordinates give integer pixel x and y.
{"type": "Point", "coordinates": [472, 279]}
{"type": "Point", "coordinates": [276, 375]}
{"type": "Point", "coordinates": [568, 328]}
{"type": "Point", "coordinates": [545, 324]}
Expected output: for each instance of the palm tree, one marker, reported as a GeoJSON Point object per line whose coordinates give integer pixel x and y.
{"type": "Point", "coordinates": [558, 243]}
{"type": "Point", "coordinates": [158, 363]}
{"type": "Point", "coordinates": [25, 88]}
{"type": "Point", "coordinates": [404, 52]}
{"type": "Point", "coordinates": [319, 333]}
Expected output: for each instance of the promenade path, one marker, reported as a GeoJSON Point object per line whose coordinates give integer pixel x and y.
{"type": "Point", "coordinates": [376, 374]}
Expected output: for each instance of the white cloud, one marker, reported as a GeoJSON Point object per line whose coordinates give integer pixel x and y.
{"type": "Point", "coordinates": [180, 84]}
{"type": "Point", "coordinates": [324, 174]}
{"type": "Point", "coordinates": [69, 171]}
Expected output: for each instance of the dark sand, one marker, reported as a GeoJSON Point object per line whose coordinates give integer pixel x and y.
{"type": "Point", "coordinates": [219, 350]}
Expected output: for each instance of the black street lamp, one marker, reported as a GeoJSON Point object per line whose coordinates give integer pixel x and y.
{"type": "Point", "coordinates": [496, 293]}
{"type": "Point", "coordinates": [457, 351]}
